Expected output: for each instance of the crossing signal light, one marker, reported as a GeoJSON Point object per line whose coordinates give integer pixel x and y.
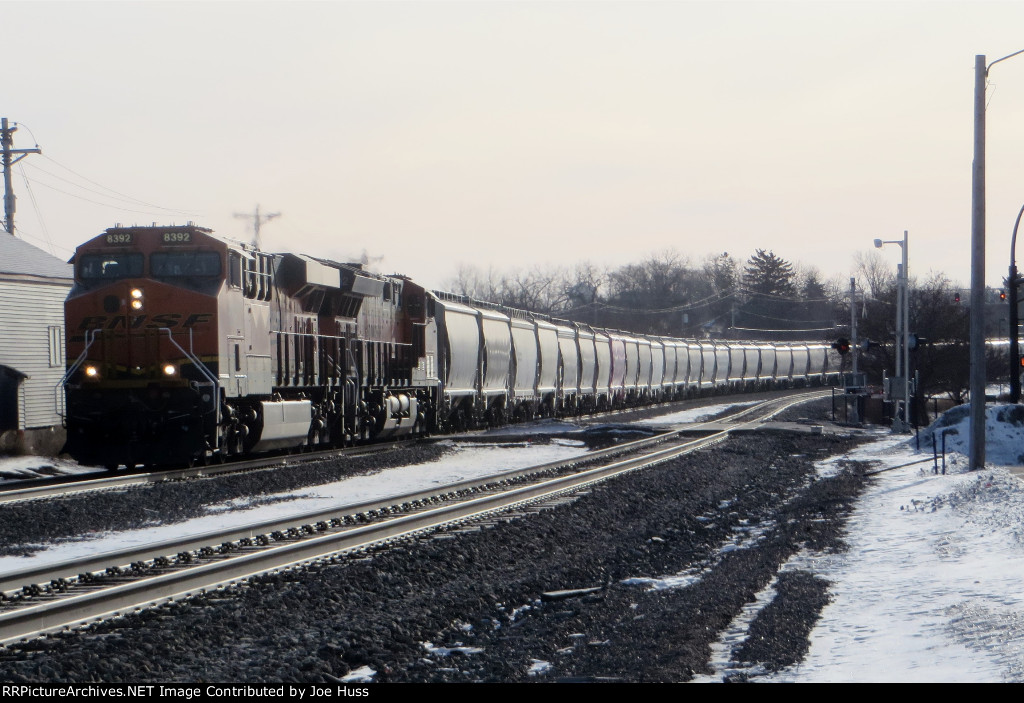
{"type": "Point", "coordinates": [841, 345]}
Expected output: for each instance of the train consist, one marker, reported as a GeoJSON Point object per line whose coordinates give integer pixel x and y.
{"type": "Point", "coordinates": [185, 347]}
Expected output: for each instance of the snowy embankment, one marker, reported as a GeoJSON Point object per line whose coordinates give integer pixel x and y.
{"type": "Point", "coordinates": [929, 589]}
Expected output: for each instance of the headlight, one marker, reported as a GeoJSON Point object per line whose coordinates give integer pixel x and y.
{"type": "Point", "coordinates": [136, 296]}
{"type": "Point", "coordinates": [170, 369]}
{"type": "Point", "coordinates": [92, 371]}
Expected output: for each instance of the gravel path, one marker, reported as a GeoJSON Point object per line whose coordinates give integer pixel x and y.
{"type": "Point", "coordinates": [482, 605]}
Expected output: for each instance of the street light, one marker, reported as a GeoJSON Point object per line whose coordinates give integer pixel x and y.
{"type": "Point", "coordinates": [977, 434]}
{"type": "Point", "coordinates": [1011, 283]}
{"type": "Point", "coordinates": [903, 328]}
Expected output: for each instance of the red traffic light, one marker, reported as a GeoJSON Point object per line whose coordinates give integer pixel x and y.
{"type": "Point", "coordinates": [1002, 295]}
{"type": "Point", "coordinates": [956, 297]}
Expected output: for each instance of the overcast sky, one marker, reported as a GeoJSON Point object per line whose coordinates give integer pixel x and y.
{"type": "Point", "coordinates": [513, 134]}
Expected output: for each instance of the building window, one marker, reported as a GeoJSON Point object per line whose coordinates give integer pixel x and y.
{"type": "Point", "coordinates": [56, 339]}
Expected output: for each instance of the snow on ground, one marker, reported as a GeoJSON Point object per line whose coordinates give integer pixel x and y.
{"type": "Point", "coordinates": [695, 414]}
{"type": "Point", "coordinates": [31, 467]}
{"type": "Point", "coordinates": [930, 587]}
{"type": "Point", "coordinates": [463, 462]}
{"type": "Point", "coordinates": [928, 591]}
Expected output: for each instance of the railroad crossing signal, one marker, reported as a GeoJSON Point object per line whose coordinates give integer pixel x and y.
{"type": "Point", "coordinates": [841, 345]}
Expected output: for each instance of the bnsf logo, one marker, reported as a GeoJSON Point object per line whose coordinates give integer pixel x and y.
{"type": "Point", "coordinates": [169, 319]}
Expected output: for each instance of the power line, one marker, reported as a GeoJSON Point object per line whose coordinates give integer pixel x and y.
{"type": "Point", "coordinates": [39, 213]}
{"type": "Point", "coordinates": [124, 199]}
{"type": "Point", "coordinates": [115, 192]}
{"type": "Point", "coordinates": [96, 202]}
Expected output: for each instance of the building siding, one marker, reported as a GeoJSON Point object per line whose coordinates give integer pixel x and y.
{"type": "Point", "coordinates": [28, 311]}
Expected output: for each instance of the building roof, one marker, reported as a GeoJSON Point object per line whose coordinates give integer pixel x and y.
{"type": "Point", "coordinates": [19, 257]}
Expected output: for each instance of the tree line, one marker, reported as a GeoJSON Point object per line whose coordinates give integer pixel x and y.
{"type": "Point", "coordinates": [767, 297]}
{"type": "Point", "coordinates": [764, 297]}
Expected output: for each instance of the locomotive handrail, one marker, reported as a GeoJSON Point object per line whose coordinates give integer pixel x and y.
{"type": "Point", "coordinates": [190, 355]}
{"type": "Point", "coordinates": [58, 390]}
{"type": "Point", "coordinates": [89, 339]}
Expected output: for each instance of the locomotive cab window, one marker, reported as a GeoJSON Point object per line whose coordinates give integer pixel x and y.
{"type": "Point", "coordinates": [184, 263]}
{"type": "Point", "coordinates": [110, 266]}
{"type": "Point", "coordinates": [235, 269]}
{"type": "Point", "coordinates": [250, 277]}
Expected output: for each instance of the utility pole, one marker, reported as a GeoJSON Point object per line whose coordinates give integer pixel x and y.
{"type": "Point", "coordinates": [7, 141]}
{"type": "Point", "coordinates": [976, 444]}
{"type": "Point", "coordinates": [257, 222]}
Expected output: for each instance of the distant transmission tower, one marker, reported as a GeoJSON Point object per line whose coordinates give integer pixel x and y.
{"type": "Point", "coordinates": [257, 222]}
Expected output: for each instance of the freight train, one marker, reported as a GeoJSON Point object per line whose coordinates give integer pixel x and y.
{"type": "Point", "coordinates": [187, 347]}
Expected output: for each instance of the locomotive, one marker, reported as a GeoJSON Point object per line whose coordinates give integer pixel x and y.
{"type": "Point", "coordinates": [187, 347]}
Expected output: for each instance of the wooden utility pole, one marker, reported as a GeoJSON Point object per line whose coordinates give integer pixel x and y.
{"type": "Point", "coordinates": [9, 159]}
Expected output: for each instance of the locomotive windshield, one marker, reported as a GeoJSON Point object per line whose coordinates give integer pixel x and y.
{"type": "Point", "coordinates": [184, 263]}
{"type": "Point", "coordinates": [107, 266]}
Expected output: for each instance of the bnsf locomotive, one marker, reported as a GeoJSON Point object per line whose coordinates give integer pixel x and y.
{"type": "Point", "coordinates": [185, 347]}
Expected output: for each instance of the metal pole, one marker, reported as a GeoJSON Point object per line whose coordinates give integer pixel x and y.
{"type": "Point", "coordinates": [899, 423]}
{"type": "Point", "coordinates": [853, 344]}
{"type": "Point", "coordinates": [906, 335]}
{"type": "Point", "coordinates": [977, 385]}
{"type": "Point", "coordinates": [1014, 331]}
{"type": "Point", "coordinates": [853, 322]}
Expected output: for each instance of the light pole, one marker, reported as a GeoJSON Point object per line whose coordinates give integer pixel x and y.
{"type": "Point", "coordinates": [977, 433]}
{"type": "Point", "coordinates": [902, 424]}
{"type": "Point", "coordinates": [1011, 283]}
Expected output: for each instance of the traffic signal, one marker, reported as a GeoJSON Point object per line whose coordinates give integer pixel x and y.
{"type": "Point", "coordinates": [956, 297]}
{"type": "Point", "coordinates": [1002, 295]}
{"type": "Point", "coordinates": [841, 345]}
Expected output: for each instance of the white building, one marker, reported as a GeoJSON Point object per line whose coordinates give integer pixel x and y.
{"type": "Point", "coordinates": [33, 286]}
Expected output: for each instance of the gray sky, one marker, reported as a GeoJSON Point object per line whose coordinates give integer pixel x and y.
{"type": "Point", "coordinates": [517, 134]}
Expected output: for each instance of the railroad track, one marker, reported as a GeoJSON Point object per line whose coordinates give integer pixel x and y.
{"type": "Point", "coordinates": [50, 488]}
{"type": "Point", "coordinates": [75, 593]}
{"type": "Point", "coordinates": [33, 489]}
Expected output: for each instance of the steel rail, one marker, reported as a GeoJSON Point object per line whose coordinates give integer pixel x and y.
{"type": "Point", "coordinates": [43, 575]}
{"type": "Point", "coordinates": [44, 617]}
{"type": "Point", "coordinates": [62, 612]}
{"type": "Point", "coordinates": [48, 488]}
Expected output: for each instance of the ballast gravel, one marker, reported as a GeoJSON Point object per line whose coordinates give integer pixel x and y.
{"type": "Point", "coordinates": [578, 591]}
